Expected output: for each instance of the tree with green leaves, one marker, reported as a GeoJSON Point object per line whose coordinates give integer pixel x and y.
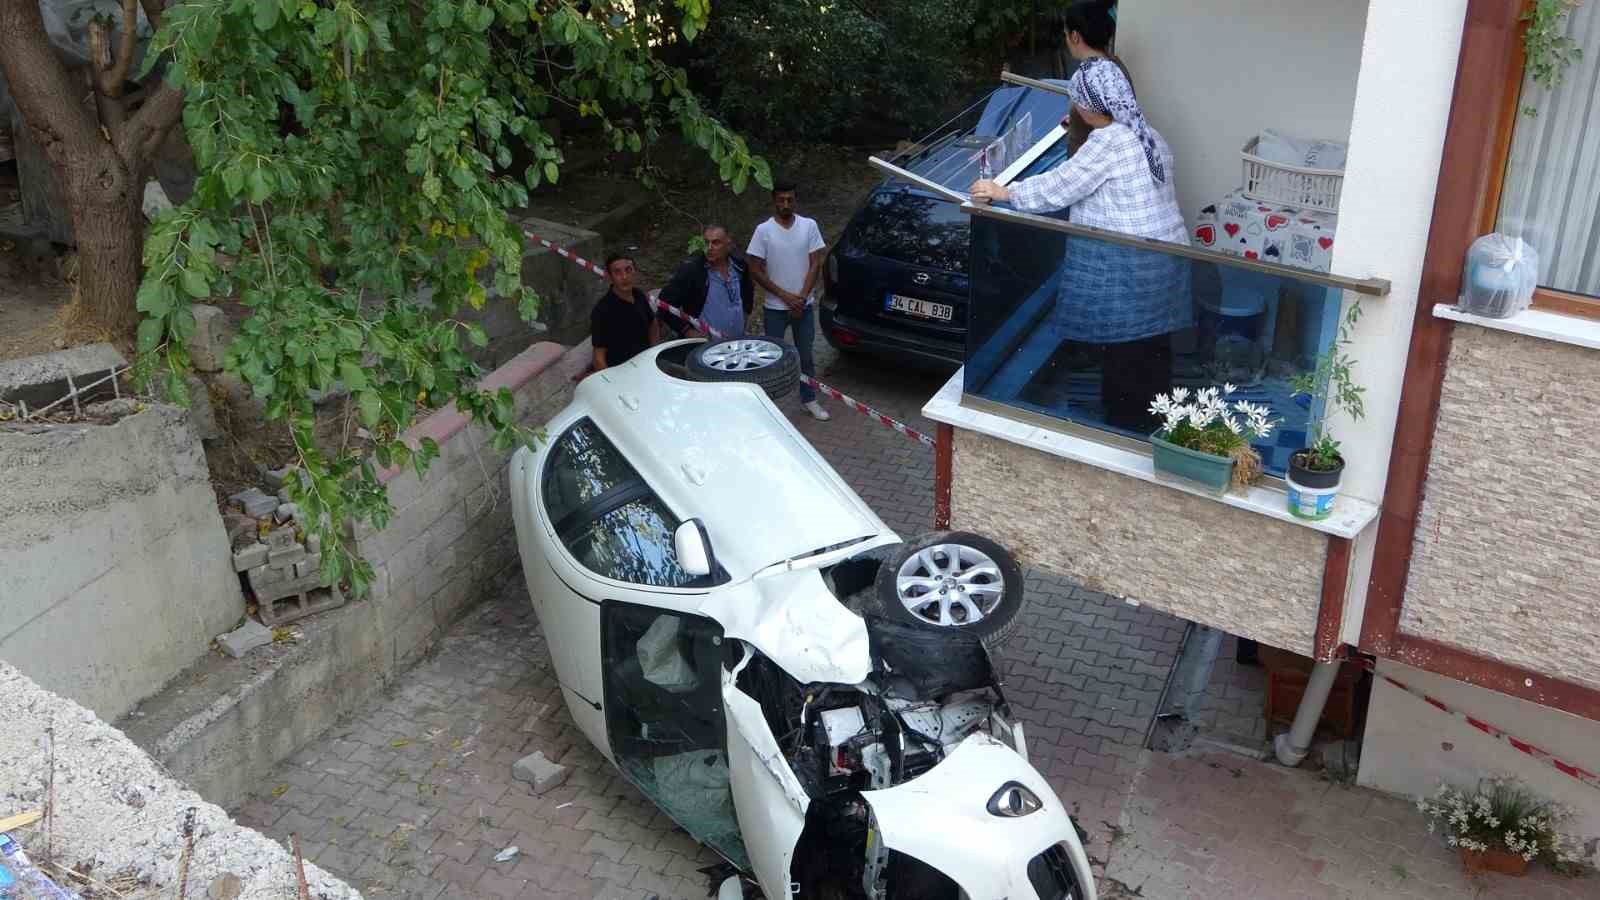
{"type": "Point", "coordinates": [357, 162]}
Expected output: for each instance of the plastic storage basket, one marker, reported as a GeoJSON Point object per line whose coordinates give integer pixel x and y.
{"type": "Point", "coordinates": [1298, 186]}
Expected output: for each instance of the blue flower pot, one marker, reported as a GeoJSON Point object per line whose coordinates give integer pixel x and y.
{"type": "Point", "coordinates": [1204, 469]}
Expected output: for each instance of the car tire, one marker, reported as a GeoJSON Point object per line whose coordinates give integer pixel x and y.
{"type": "Point", "coordinates": [770, 365]}
{"type": "Point", "coordinates": [906, 578]}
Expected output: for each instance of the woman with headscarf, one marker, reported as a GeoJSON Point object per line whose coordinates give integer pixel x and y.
{"type": "Point", "coordinates": [1123, 302]}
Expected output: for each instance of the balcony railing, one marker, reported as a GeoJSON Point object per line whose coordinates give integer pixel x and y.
{"type": "Point", "coordinates": [1079, 328]}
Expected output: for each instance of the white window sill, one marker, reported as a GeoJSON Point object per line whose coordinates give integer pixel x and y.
{"type": "Point", "coordinates": [1350, 515]}
{"type": "Point", "coordinates": [1533, 323]}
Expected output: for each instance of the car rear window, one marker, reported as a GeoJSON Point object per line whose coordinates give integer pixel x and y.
{"type": "Point", "coordinates": [913, 228]}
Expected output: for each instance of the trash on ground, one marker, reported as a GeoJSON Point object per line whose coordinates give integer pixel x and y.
{"type": "Point", "coordinates": [506, 855]}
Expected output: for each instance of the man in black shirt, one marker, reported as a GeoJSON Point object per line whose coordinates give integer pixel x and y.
{"type": "Point", "coordinates": [621, 325]}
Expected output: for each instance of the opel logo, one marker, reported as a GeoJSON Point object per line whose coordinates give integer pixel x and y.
{"type": "Point", "coordinates": [921, 277]}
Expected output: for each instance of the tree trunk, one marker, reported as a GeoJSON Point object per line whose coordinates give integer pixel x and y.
{"type": "Point", "coordinates": [107, 215]}
{"type": "Point", "coordinates": [101, 170]}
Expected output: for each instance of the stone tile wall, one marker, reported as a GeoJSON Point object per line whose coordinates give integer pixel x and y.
{"type": "Point", "coordinates": [1235, 570]}
{"type": "Point", "coordinates": [1507, 552]}
{"type": "Point", "coordinates": [450, 542]}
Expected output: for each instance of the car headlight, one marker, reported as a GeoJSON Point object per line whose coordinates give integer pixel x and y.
{"type": "Point", "coordinates": [1014, 801]}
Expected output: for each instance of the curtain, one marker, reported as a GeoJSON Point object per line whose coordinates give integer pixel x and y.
{"type": "Point", "coordinates": [1551, 197]}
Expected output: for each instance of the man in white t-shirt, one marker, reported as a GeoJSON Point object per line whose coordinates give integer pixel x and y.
{"type": "Point", "coordinates": [785, 257]}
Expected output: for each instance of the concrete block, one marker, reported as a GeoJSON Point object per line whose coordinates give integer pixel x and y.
{"type": "Point", "coordinates": [263, 577]}
{"type": "Point", "coordinates": [309, 566]}
{"type": "Point", "coordinates": [242, 529]}
{"type": "Point", "coordinates": [280, 538]}
{"type": "Point", "coordinates": [250, 557]}
{"type": "Point", "coordinates": [277, 477]}
{"type": "Point", "coordinates": [286, 556]}
{"type": "Point", "coordinates": [42, 379]}
{"type": "Point", "coordinates": [309, 602]}
{"type": "Point", "coordinates": [246, 637]}
{"type": "Point", "coordinates": [285, 512]}
{"type": "Point", "coordinates": [211, 338]}
{"type": "Point", "coordinates": [255, 503]}
{"type": "Point", "coordinates": [314, 544]}
{"type": "Point", "coordinates": [539, 772]}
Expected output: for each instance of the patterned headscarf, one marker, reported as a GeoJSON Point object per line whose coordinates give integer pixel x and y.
{"type": "Point", "coordinates": [1100, 85]}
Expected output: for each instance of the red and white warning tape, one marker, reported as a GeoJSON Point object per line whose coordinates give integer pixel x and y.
{"type": "Point", "coordinates": [1544, 756]}
{"type": "Point", "coordinates": [657, 303]}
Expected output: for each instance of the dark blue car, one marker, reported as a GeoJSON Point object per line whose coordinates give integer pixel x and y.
{"type": "Point", "coordinates": [896, 282]}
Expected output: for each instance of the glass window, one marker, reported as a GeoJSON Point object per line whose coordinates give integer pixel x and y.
{"type": "Point", "coordinates": [914, 228]}
{"type": "Point", "coordinates": [1089, 331]}
{"type": "Point", "coordinates": [1550, 198]}
{"type": "Point", "coordinates": [632, 543]}
{"type": "Point", "coordinates": [582, 467]}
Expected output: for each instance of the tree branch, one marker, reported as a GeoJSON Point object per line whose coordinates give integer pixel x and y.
{"type": "Point", "coordinates": [111, 80]}
{"type": "Point", "coordinates": [46, 94]}
{"type": "Point", "coordinates": [152, 12]}
{"type": "Point", "coordinates": [139, 138]}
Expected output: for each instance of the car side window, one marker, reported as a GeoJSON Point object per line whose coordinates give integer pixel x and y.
{"type": "Point", "coordinates": [583, 467]}
{"type": "Point", "coordinates": [632, 543]}
{"type": "Point", "coordinates": [606, 515]}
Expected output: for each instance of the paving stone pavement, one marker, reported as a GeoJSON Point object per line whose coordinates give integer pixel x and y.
{"type": "Point", "coordinates": [414, 798]}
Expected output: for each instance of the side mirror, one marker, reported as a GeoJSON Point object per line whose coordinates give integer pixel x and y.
{"type": "Point", "coordinates": [693, 547]}
{"type": "Point", "coordinates": [731, 889]}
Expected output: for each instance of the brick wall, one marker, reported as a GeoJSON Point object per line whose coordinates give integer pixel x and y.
{"type": "Point", "coordinates": [1192, 557]}
{"type": "Point", "coordinates": [1507, 553]}
{"type": "Point", "coordinates": [450, 541]}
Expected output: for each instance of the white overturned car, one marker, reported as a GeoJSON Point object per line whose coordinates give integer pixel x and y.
{"type": "Point", "coordinates": [765, 659]}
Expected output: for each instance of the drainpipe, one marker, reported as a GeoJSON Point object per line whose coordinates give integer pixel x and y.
{"type": "Point", "coordinates": [1291, 748]}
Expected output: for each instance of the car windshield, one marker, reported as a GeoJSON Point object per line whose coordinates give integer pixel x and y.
{"type": "Point", "coordinates": [913, 228]}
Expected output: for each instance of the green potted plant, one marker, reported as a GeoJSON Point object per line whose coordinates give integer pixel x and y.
{"type": "Point", "coordinates": [1501, 826]}
{"type": "Point", "coordinates": [1207, 439]}
{"type": "Point", "coordinates": [1316, 470]}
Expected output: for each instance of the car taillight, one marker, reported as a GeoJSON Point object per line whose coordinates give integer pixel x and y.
{"type": "Point", "coordinates": [833, 268]}
{"type": "Point", "coordinates": [845, 336]}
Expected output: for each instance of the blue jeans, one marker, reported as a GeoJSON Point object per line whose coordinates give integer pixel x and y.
{"type": "Point", "coordinates": [805, 333]}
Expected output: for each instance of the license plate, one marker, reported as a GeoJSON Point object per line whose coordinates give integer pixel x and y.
{"type": "Point", "coordinates": [926, 309]}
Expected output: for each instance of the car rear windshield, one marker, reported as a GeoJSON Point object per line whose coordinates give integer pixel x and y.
{"type": "Point", "coordinates": [913, 228]}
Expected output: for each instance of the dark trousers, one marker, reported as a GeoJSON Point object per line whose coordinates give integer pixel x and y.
{"type": "Point", "coordinates": [1132, 373]}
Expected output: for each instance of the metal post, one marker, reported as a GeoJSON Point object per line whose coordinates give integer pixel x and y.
{"type": "Point", "coordinates": [1174, 729]}
{"type": "Point", "coordinates": [1292, 747]}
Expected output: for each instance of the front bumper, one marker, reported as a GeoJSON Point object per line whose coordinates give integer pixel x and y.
{"type": "Point", "coordinates": [942, 818]}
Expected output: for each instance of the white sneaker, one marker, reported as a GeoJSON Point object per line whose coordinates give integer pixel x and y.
{"type": "Point", "coordinates": [817, 412]}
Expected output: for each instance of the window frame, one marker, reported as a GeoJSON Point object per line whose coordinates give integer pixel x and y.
{"type": "Point", "coordinates": [627, 490]}
{"type": "Point", "coordinates": [1548, 299]}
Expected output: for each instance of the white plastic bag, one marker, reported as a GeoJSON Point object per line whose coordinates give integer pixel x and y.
{"type": "Point", "coordinates": [1277, 147]}
{"type": "Point", "coordinates": [1499, 276]}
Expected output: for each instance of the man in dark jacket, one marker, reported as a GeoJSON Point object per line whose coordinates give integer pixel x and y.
{"type": "Point", "coordinates": [714, 286]}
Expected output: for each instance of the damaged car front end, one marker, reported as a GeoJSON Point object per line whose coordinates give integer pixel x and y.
{"type": "Point", "coordinates": [912, 782]}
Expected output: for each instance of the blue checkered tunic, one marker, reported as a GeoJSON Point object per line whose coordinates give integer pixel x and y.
{"type": "Point", "coordinates": [1110, 293]}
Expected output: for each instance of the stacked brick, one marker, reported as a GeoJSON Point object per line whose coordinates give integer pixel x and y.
{"type": "Point", "coordinates": [284, 572]}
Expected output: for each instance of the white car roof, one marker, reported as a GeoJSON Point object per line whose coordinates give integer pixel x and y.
{"type": "Point", "coordinates": [723, 453]}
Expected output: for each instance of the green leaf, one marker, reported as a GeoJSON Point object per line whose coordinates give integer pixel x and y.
{"type": "Point", "coordinates": [353, 376]}
{"type": "Point", "coordinates": [551, 172]}
{"type": "Point", "coordinates": [155, 297]}
{"type": "Point", "coordinates": [150, 332]}
{"type": "Point", "coordinates": [177, 389]}
{"type": "Point", "coordinates": [195, 283]}
{"type": "Point", "coordinates": [266, 14]}
{"type": "Point", "coordinates": [370, 407]}
{"type": "Point", "coordinates": [476, 335]}
{"type": "Point", "coordinates": [233, 178]}
{"type": "Point", "coordinates": [431, 188]}
{"type": "Point", "coordinates": [260, 183]}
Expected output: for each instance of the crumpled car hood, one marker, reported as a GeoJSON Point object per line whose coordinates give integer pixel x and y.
{"type": "Point", "coordinates": [795, 621]}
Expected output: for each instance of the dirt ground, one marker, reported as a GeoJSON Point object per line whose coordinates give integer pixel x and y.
{"type": "Point", "coordinates": [32, 291]}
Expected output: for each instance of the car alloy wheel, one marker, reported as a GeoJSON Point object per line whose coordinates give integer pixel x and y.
{"type": "Point", "coordinates": [742, 355]}
{"type": "Point", "coordinates": [950, 585]}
